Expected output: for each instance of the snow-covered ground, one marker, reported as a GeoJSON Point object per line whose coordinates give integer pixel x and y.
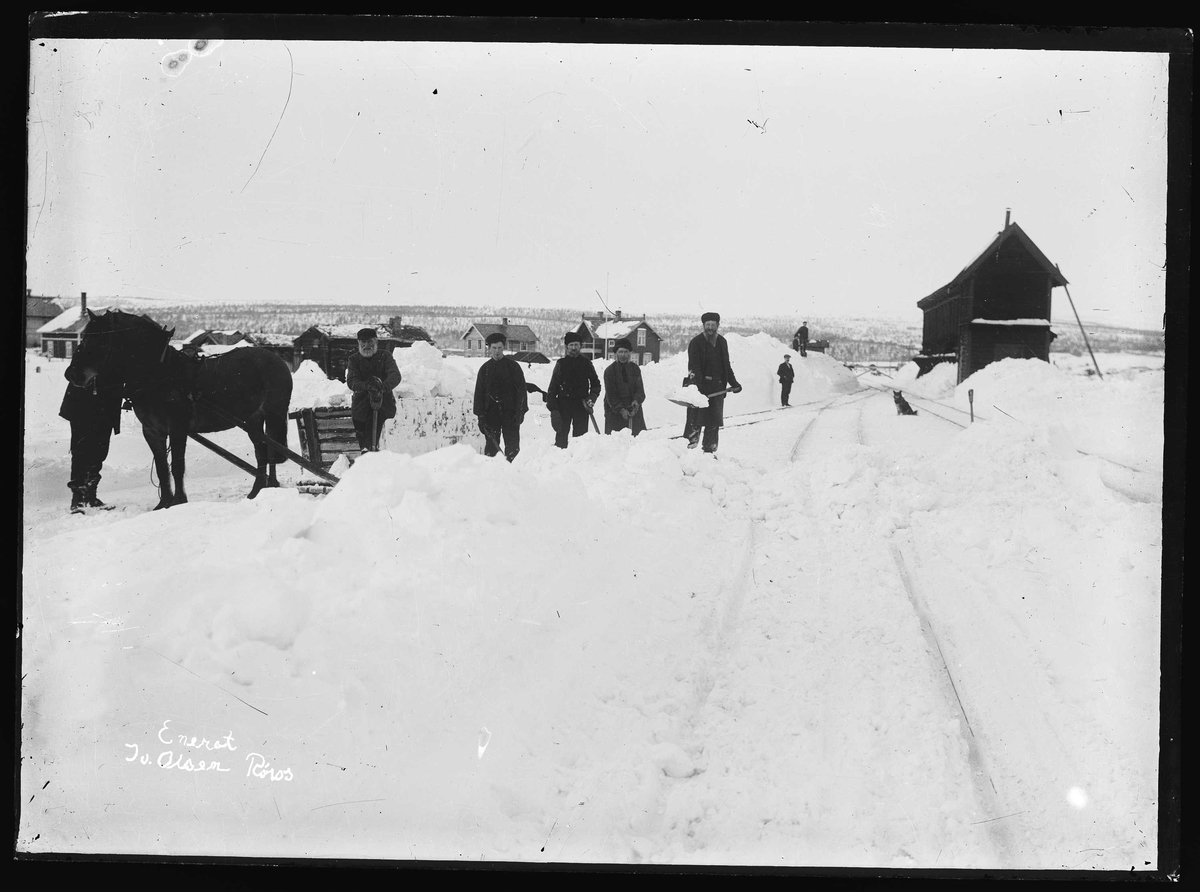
{"type": "Point", "coordinates": [855, 638]}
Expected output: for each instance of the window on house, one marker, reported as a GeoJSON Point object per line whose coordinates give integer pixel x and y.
{"type": "Point", "coordinates": [641, 337]}
{"type": "Point", "coordinates": [647, 358]}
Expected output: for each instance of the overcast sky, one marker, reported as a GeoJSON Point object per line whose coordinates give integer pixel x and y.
{"type": "Point", "coordinates": [797, 181]}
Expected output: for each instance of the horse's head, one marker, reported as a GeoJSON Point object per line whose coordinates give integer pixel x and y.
{"type": "Point", "coordinates": [120, 347]}
{"type": "Point", "coordinates": [94, 352]}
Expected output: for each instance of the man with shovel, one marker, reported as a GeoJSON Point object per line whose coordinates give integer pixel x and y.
{"type": "Point", "coordinates": [573, 391]}
{"type": "Point", "coordinates": [623, 393]}
{"type": "Point", "coordinates": [371, 375]}
{"type": "Point", "coordinates": [709, 369]}
{"type": "Point", "coordinates": [501, 399]}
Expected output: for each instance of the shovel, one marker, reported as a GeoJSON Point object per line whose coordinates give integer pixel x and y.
{"type": "Point", "coordinates": [688, 405]}
{"type": "Point", "coordinates": [376, 401]}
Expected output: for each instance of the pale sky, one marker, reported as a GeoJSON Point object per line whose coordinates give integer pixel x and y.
{"type": "Point", "coordinates": [538, 174]}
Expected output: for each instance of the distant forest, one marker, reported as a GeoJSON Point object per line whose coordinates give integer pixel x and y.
{"type": "Point", "coordinates": [850, 339]}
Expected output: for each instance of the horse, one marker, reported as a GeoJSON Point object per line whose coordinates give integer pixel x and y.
{"type": "Point", "coordinates": [173, 394]}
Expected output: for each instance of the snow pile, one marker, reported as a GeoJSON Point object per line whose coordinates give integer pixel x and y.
{"type": "Point", "coordinates": [936, 384]}
{"type": "Point", "coordinates": [425, 372]}
{"type": "Point", "coordinates": [1114, 418]}
{"type": "Point", "coordinates": [311, 388]}
{"type": "Point", "coordinates": [623, 651]}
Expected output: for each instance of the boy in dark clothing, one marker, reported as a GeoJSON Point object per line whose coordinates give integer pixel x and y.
{"type": "Point", "coordinates": [94, 412]}
{"type": "Point", "coordinates": [501, 399]}
{"type": "Point", "coordinates": [623, 393]}
{"type": "Point", "coordinates": [787, 375]}
{"type": "Point", "coordinates": [708, 367]}
{"type": "Point", "coordinates": [574, 389]}
{"type": "Point", "coordinates": [371, 374]}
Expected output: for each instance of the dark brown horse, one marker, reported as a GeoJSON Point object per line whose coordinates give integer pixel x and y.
{"type": "Point", "coordinates": [174, 394]}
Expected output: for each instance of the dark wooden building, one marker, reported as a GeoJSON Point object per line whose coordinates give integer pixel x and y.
{"type": "Point", "coordinates": [282, 345]}
{"type": "Point", "coordinates": [601, 332]}
{"type": "Point", "coordinates": [38, 311]}
{"type": "Point", "coordinates": [329, 346]}
{"type": "Point", "coordinates": [997, 307]}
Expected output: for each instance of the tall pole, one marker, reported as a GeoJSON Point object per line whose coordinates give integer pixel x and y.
{"type": "Point", "coordinates": [1084, 333]}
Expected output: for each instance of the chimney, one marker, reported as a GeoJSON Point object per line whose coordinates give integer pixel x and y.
{"type": "Point", "coordinates": [82, 304]}
{"type": "Point", "coordinates": [1007, 216]}
{"type": "Point", "coordinates": [504, 322]}
{"type": "Point", "coordinates": [29, 292]}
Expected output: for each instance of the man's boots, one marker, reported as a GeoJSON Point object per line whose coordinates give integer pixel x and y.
{"type": "Point", "coordinates": [90, 499]}
{"type": "Point", "coordinates": [76, 497]}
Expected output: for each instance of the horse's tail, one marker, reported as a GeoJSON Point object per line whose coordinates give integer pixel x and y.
{"type": "Point", "coordinates": [279, 399]}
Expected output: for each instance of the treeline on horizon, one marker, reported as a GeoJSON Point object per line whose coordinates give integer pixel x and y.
{"type": "Point", "coordinates": [850, 339]}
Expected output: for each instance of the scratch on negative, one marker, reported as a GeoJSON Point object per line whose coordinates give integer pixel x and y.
{"type": "Point", "coordinates": [351, 802]}
{"type": "Point", "coordinates": [291, 77]}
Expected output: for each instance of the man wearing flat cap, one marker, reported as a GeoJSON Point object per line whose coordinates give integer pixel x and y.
{"type": "Point", "coordinates": [574, 389]}
{"type": "Point", "coordinates": [371, 375]}
{"type": "Point", "coordinates": [501, 400]}
{"type": "Point", "coordinates": [623, 393]}
{"type": "Point", "coordinates": [709, 369]}
{"type": "Point", "coordinates": [787, 375]}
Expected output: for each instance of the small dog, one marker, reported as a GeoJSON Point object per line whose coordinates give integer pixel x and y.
{"type": "Point", "coordinates": [902, 406]}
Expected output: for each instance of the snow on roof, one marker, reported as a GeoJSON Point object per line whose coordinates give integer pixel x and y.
{"type": "Point", "coordinates": [616, 329]}
{"type": "Point", "coordinates": [67, 320]}
{"type": "Point", "coordinates": [272, 340]}
{"type": "Point", "coordinates": [1040, 322]}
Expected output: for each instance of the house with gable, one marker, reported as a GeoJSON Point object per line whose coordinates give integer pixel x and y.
{"type": "Point", "coordinates": [998, 306]}
{"type": "Point", "coordinates": [601, 332]}
{"type": "Point", "coordinates": [521, 338]}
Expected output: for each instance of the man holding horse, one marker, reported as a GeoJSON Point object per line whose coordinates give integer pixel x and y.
{"type": "Point", "coordinates": [371, 374]}
{"type": "Point", "coordinates": [94, 412]}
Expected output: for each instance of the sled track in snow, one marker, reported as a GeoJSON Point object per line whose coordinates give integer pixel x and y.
{"type": "Point", "coordinates": [833, 404]}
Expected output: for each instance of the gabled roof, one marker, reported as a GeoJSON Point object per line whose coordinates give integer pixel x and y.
{"type": "Point", "coordinates": [41, 308]}
{"type": "Point", "coordinates": [1011, 231]}
{"type": "Point", "coordinates": [510, 331]}
{"type": "Point", "coordinates": [529, 356]}
{"type": "Point", "coordinates": [384, 330]}
{"type": "Point", "coordinates": [68, 322]}
{"type": "Point", "coordinates": [269, 339]}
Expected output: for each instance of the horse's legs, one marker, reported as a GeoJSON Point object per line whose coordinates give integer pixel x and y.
{"type": "Point", "coordinates": [255, 426]}
{"type": "Point", "coordinates": [158, 446]}
{"type": "Point", "coordinates": [178, 463]}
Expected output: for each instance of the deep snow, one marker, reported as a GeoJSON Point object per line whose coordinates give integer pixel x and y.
{"type": "Point", "coordinates": [854, 639]}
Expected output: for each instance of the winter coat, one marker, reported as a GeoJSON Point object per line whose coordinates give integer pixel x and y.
{"type": "Point", "coordinates": [710, 364]}
{"type": "Point", "coordinates": [786, 373]}
{"type": "Point", "coordinates": [500, 384]}
{"type": "Point", "coordinates": [95, 402]}
{"type": "Point", "coordinates": [801, 335]}
{"type": "Point", "coordinates": [359, 371]}
{"type": "Point", "coordinates": [623, 385]}
{"type": "Point", "coordinates": [574, 378]}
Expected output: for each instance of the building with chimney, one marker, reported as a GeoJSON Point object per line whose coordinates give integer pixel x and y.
{"type": "Point", "coordinates": [997, 307]}
{"type": "Point", "coordinates": [521, 338]}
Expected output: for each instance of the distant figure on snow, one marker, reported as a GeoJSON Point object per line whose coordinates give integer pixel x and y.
{"type": "Point", "coordinates": [800, 341]}
{"type": "Point", "coordinates": [787, 374]}
{"type": "Point", "coordinates": [573, 391]}
{"type": "Point", "coordinates": [501, 399]}
{"type": "Point", "coordinates": [708, 367]}
{"type": "Point", "coordinates": [94, 412]}
{"type": "Point", "coordinates": [623, 393]}
{"type": "Point", "coordinates": [371, 375]}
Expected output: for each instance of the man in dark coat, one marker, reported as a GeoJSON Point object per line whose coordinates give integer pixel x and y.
{"type": "Point", "coordinates": [800, 341]}
{"type": "Point", "coordinates": [501, 399]}
{"type": "Point", "coordinates": [787, 375]}
{"type": "Point", "coordinates": [708, 367]}
{"type": "Point", "coordinates": [574, 389]}
{"type": "Point", "coordinates": [623, 393]}
{"type": "Point", "coordinates": [371, 374]}
{"type": "Point", "coordinates": [94, 412]}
